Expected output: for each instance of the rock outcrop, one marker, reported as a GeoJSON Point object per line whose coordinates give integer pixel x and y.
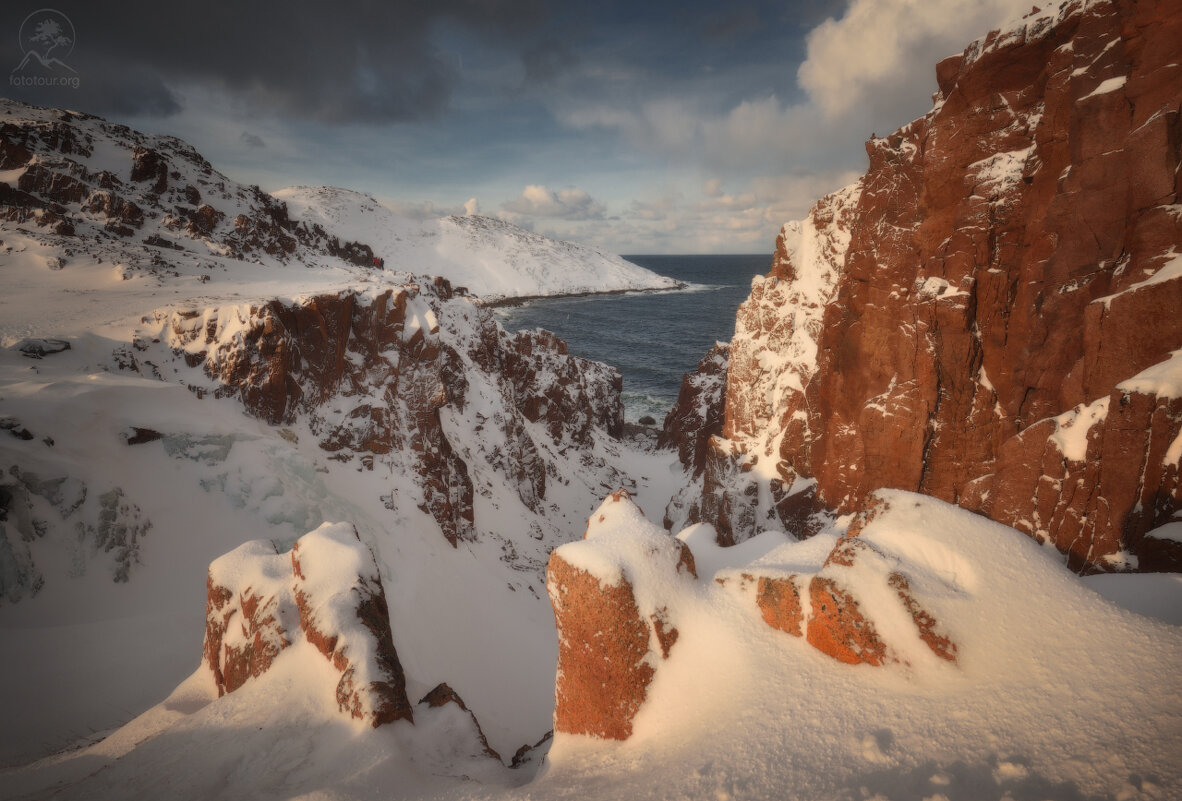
{"type": "Point", "coordinates": [698, 414]}
{"type": "Point", "coordinates": [989, 315]}
{"type": "Point", "coordinates": [326, 590]}
{"type": "Point", "coordinates": [407, 375]}
{"type": "Point", "coordinates": [611, 595]}
{"type": "Point", "coordinates": [150, 190]}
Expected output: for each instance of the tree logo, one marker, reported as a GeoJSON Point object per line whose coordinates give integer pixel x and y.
{"type": "Point", "coordinates": [47, 39]}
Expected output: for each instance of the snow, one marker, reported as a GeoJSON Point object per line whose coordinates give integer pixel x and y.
{"type": "Point", "coordinates": [492, 258]}
{"type": "Point", "coordinates": [1072, 427]}
{"type": "Point", "coordinates": [1170, 531]}
{"type": "Point", "coordinates": [1163, 379]}
{"type": "Point", "coordinates": [1001, 170]}
{"type": "Point", "coordinates": [1170, 270]}
{"type": "Point", "coordinates": [1110, 85]}
{"type": "Point", "coordinates": [1155, 595]}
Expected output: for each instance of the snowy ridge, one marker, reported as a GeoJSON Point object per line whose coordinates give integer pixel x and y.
{"type": "Point", "coordinates": [490, 257]}
{"type": "Point", "coordinates": [99, 215]}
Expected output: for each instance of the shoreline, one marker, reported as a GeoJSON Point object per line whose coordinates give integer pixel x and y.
{"type": "Point", "coordinates": [521, 300]}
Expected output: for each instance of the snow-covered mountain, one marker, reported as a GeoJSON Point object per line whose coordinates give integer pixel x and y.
{"type": "Point", "coordinates": [490, 257]}
{"type": "Point", "coordinates": [99, 216]}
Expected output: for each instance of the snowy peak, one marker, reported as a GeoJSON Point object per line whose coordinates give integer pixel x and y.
{"type": "Point", "coordinates": [490, 257]}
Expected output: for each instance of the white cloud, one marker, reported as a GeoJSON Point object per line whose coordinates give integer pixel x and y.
{"type": "Point", "coordinates": [881, 47]}
{"type": "Point", "coordinates": [472, 206]}
{"type": "Point", "coordinates": [566, 204]}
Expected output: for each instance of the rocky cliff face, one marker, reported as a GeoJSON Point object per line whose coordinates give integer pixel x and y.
{"type": "Point", "coordinates": [415, 377]}
{"type": "Point", "coordinates": [990, 315]}
{"type": "Point", "coordinates": [74, 178]}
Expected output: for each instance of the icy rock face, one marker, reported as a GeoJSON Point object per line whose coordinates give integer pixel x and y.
{"type": "Point", "coordinates": [327, 590]}
{"type": "Point", "coordinates": [976, 318]}
{"type": "Point", "coordinates": [610, 594]}
{"type": "Point", "coordinates": [105, 527]}
{"type": "Point", "coordinates": [80, 177]}
{"type": "Point", "coordinates": [416, 376]}
{"type": "Point", "coordinates": [698, 413]}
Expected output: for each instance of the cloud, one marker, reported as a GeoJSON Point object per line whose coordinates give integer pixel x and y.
{"type": "Point", "coordinates": [567, 204]}
{"type": "Point", "coordinates": [348, 61]}
{"type": "Point", "coordinates": [881, 46]}
{"type": "Point", "coordinates": [252, 140]}
{"type": "Point", "coordinates": [471, 206]}
{"type": "Point", "coordinates": [745, 221]}
{"type": "Point", "coordinates": [712, 188]}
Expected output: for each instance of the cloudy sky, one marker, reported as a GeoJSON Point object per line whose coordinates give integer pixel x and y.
{"type": "Point", "coordinates": [641, 127]}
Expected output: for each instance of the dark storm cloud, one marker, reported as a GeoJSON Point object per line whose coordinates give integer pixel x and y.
{"type": "Point", "coordinates": [547, 60]}
{"type": "Point", "coordinates": [346, 61]}
{"type": "Point", "coordinates": [251, 140]}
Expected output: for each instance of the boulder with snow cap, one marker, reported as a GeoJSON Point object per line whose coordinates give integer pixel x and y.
{"type": "Point", "coordinates": [614, 599]}
{"type": "Point", "coordinates": [326, 590]}
{"type": "Point", "coordinates": [343, 613]}
{"type": "Point", "coordinates": [250, 615]}
{"type": "Point", "coordinates": [866, 593]}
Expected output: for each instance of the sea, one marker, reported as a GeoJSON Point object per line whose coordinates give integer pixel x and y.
{"type": "Point", "coordinates": [653, 338]}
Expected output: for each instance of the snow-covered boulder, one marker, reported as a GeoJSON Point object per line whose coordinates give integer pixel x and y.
{"type": "Point", "coordinates": [327, 591]}
{"type": "Point", "coordinates": [611, 594]}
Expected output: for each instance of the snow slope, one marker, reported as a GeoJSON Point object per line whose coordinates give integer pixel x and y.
{"type": "Point", "coordinates": [492, 258]}
{"type": "Point", "coordinates": [1057, 694]}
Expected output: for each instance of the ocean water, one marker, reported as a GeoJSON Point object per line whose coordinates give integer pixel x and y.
{"type": "Point", "coordinates": [653, 338]}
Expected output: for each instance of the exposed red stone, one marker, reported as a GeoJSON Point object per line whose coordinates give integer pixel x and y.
{"type": "Point", "coordinates": [940, 644]}
{"type": "Point", "coordinates": [262, 635]}
{"type": "Point", "coordinates": [838, 628]}
{"type": "Point", "coordinates": [666, 634]}
{"type": "Point", "coordinates": [603, 645]}
{"type": "Point", "coordinates": [991, 284]}
{"type": "Point", "coordinates": [778, 600]}
{"type": "Point", "coordinates": [697, 416]}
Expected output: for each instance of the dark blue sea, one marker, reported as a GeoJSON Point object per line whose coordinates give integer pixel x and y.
{"type": "Point", "coordinates": [653, 338]}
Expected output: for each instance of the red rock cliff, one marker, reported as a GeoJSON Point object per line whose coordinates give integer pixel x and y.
{"type": "Point", "coordinates": [988, 316]}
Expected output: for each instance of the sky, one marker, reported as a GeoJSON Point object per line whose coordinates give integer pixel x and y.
{"type": "Point", "coordinates": [637, 127]}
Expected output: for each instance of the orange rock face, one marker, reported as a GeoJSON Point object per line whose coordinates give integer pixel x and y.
{"type": "Point", "coordinates": [779, 603]}
{"type": "Point", "coordinates": [609, 647]}
{"type": "Point", "coordinates": [603, 643]}
{"type": "Point", "coordinates": [838, 628]}
{"type": "Point", "coordinates": [993, 292]}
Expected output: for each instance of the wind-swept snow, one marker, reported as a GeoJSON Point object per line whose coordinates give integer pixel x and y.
{"type": "Point", "coordinates": [492, 258]}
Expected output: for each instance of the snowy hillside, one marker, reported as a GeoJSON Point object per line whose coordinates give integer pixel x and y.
{"type": "Point", "coordinates": [102, 223]}
{"type": "Point", "coordinates": [492, 258]}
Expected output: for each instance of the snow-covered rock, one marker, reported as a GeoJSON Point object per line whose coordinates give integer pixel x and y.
{"type": "Point", "coordinates": [614, 626]}
{"type": "Point", "coordinates": [326, 591]}
{"type": "Point", "coordinates": [989, 315]}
